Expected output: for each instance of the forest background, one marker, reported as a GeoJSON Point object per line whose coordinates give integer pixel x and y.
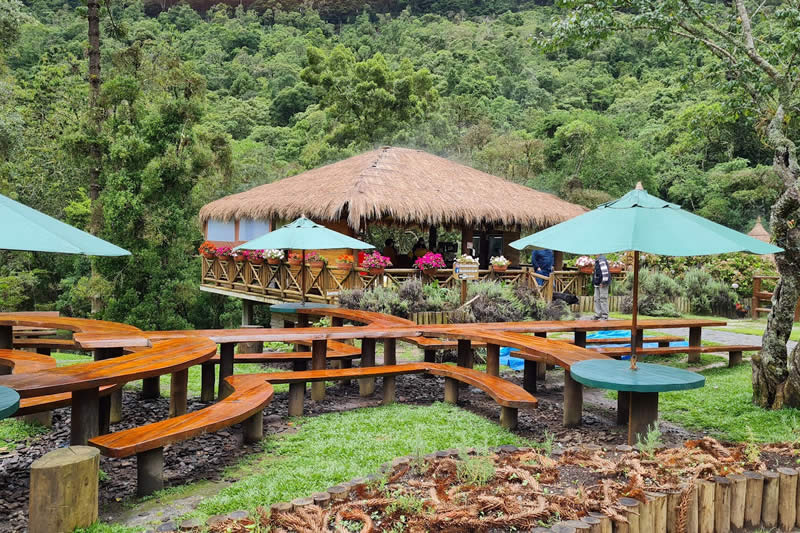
{"type": "Point", "coordinates": [199, 104]}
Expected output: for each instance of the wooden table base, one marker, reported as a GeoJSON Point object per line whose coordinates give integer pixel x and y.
{"type": "Point", "coordinates": [85, 422]}
{"type": "Point", "coordinates": [643, 415]}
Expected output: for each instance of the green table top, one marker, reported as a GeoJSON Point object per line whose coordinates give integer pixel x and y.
{"type": "Point", "coordinates": [291, 307]}
{"type": "Point", "coordinates": [9, 402]}
{"type": "Point", "coordinates": [617, 375]}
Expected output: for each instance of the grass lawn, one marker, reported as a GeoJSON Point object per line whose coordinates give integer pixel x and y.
{"type": "Point", "coordinates": [336, 447]}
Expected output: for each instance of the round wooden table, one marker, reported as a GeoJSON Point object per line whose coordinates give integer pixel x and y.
{"type": "Point", "coordinates": [638, 389]}
{"type": "Point", "coordinates": [9, 402]}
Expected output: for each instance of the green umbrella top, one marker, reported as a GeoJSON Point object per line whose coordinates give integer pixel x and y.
{"type": "Point", "coordinates": [24, 228]}
{"type": "Point", "coordinates": [641, 222]}
{"type": "Point", "coordinates": [303, 234]}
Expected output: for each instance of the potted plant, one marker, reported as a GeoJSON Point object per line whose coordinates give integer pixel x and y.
{"type": "Point", "coordinates": [466, 259]}
{"type": "Point", "coordinates": [208, 250]}
{"type": "Point", "coordinates": [273, 257]}
{"type": "Point", "coordinates": [344, 262]}
{"type": "Point", "coordinates": [225, 253]}
{"type": "Point", "coordinates": [430, 263]}
{"type": "Point", "coordinates": [315, 260]}
{"type": "Point", "coordinates": [256, 257]}
{"type": "Point", "coordinates": [585, 264]}
{"type": "Point", "coordinates": [499, 263]}
{"type": "Point", "coordinates": [615, 267]}
{"type": "Point", "coordinates": [295, 259]}
{"type": "Point", "coordinates": [375, 263]}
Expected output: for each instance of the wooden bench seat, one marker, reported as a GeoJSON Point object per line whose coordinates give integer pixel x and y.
{"type": "Point", "coordinates": [45, 346]}
{"type": "Point", "coordinates": [509, 396]}
{"type": "Point", "coordinates": [282, 357]}
{"type": "Point", "coordinates": [22, 362]}
{"type": "Point", "coordinates": [41, 404]}
{"type": "Point", "coordinates": [250, 394]}
{"type": "Point", "coordinates": [662, 340]}
{"type": "Point", "coordinates": [735, 351]}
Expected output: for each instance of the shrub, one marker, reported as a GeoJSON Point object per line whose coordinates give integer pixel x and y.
{"type": "Point", "coordinates": [557, 310]}
{"type": "Point", "coordinates": [384, 300]}
{"type": "Point", "coordinates": [656, 293]}
{"type": "Point", "coordinates": [705, 293]}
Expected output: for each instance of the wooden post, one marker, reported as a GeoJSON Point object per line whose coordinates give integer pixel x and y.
{"type": "Point", "coordinates": [508, 417]}
{"type": "Point", "coordinates": [85, 416]}
{"type": "Point", "coordinates": [463, 291]}
{"type": "Point", "coordinates": [366, 386]}
{"type": "Point", "coordinates": [430, 356]}
{"type": "Point", "coordinates": [573, 401]}
{"type": "Point", "coordinates": [541, 367]}
{"type": "Point", "coordinates": [734, 358]}
{"type": "Point", "coordinates": [754, 494]}
{"type": "Point", "coordinates": [695, 339]}
{"type": "Point", "coordinates": [207, 382]}
{"type": "Point", "coordinates": [529, 376]}
{"type": "Point", "coordinates": [580, 339]}
{"type": "Point", "coordinates": [319, 350]}
{"type": "Point", "coordinates": [646, 515]}
{"type": "Point", "coordinates": [151, 388]}
{"type": "Point", "coordinates": [674, 509]}
{"type": "Point", "coordinates": [297, 392]}
{"type": "Point", "coordinates": [643, 414]}
{"type": "Point", "coordinates": [225, 366]}
{"type": "Point", "coordinates": [623, 407]}
{"type": "Point", "coordinates": [722, 505]}
{"type": "Point", "coordinates": [465, 353]}
{"type": "Point", "coordinates": [115, 404]}
{"type": "Point", "coordinates": [738, 490]}
{"type": "Point", "coordinates": [769, 502]}
{"type": "Point", "coordinates": [450, 390]}
{"type": "Point", "coordinates": [254, 427]}
{"type": "Point", "coordinates": [178, 390]}
{"type": "Point", "coordinates": [64, 490]}
{"type": "Point", "coordinates": [493, 359]}
{"type": "Point", "coordinates": [631, 512]}
{"type": "Point", "coordinates": [6, 337]}
{"type": "Point", "coordinates": [756, 302]}
{"type": "Point", "coordinates": [389, 382]}
{"type": "Point", "coordinates": [605, 522]}
{"type": "Point", "coordinates": [787, 499]}
{"type": "Point", "coordinates": [149, 471]}
{"type": "Point", "coordinates": [705, 505]}
{"type": "Point", "coordinates": [659, 511]}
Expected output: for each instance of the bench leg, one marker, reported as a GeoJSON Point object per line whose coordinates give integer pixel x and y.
{"type": "Point", "coordinates": [225, 367]}
{"type": "Point", "coordinates": [450, 390]}
{"type": "Point", "coordinates": [104, 415]}
{"type": "Point", "coordinates": [149, 471]}
{"type": "Point", "coordinates": [179, 386]}
{"type": "Point", "coordinates": [573, 401]}
{"type": "Point", "coordinates": [493, 359]}
{"type": "Point", "coordinates": [207, 382]}
{"type": "Point", "coordinates": [508, 417]}
{"type": "Point", "coordinates": [6, 337]}
{"type": "Point", "coordinates": [319, 351]}
{"type": "Point", "coordinates": [366, 386]}
{"type": "Point", "coordinates": [151, 388]}
{"type": "Point", "coordinates": [254, 427]}
{"type": "Point", "coordinates": [115, 407]}
{"type": "Point", "coordinates": [663, 344]}
{"type": "Point", "coordinates": [43, 350]}
{"type": "Point", "coordinates": [695, 339]}
{"type": "Point", "coordinates": [623, 407]}
{"type": "Point", "coordinates": [430, 356]}
{"type": "Point", "coordinates": [580, 339]}
{"type": "Point", "coordinates": [299, 365]}
{"type": "Point", "coordinates": [529, 376]}
{"type": "Point", "coordinates": [465, 358]}
{"type": "Point", "coordinates": [389, 389]}
{"type": "Point", "coordinates": [541, 372]}
{"type": "Point", "coordinates": [45, 418]}
{"type": "Point", "coordinates": [85, 416]}
{"type": "Point", "coordinates": [734, 358]}
{"type": "Point", "coordinates": [346, 363]}
{"type": "Point", "coordinates": [643, 415]}
{"type": "Point", "coordinates": [297, 393]}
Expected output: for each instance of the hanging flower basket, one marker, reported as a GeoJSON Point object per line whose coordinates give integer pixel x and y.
{"type": "Point", "coordinates": [430, 272]}
{"type": "Point", "coordinates": [587, 270]}
{"type": "Point", "coordinates": [376, 271]}
{"type": "Point", "coordinates": [239, 258]}
{"type": "Point", "coordinates": [273, 261]}
{"type": "Point", "coordinates": [499, 268]}
{"type": "Point", "coordinates": [256, 260]}
{"type": "Point", "coordinates": [316, 264]}
{"type": "Point", "coordinates": [344, 266]}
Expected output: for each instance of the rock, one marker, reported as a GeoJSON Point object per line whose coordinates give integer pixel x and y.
{"type": "Point", "coordinates": [238, 515]}
{"type": "Point", "coordinates": [190, 524]}
{"type": "Point", "coordinates": [167, 526]}
{"type": "Point", "coordinates": [272, 419]}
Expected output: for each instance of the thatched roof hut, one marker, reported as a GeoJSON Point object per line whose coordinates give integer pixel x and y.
{"type": "Point", "coordinates": [759, 232]}
{"type": "Point", "coordinates": [397, 185]}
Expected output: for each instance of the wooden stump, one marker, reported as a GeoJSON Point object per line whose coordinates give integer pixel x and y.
{"type": "Point", "coordinates": [319, 349]}
{"type": "Point", "coordinates": [63, 490]}
{"type": "Point", "coordinates": [297, 393]}
{"type": "Point", "coordinates": [734, 358]}
{"type": "Point", "coordinates": [769, 502]}
{"type": "Point", "coordinates": [631, 512]}
{"type": "Point", "coordinates": [254, 427]}
{"type": "Point", "coordinates": [605, 522]}
{"type": "Point", "coordinates": [787, 499]}
{"type": "Point", "coordinates": [646, 516]}
{"type": "Point", "coordinates": [722, 504]}
{"type": "Point", "coordinates": [366, 386]}
{"type": "Point", "coordinates": [178, 391]}
{"type": "Point", "coordinates": [573, 401]}
{"type": "Point", "coordinates": [738, 490]}
{"type": "Point", "coordinates": [115, 407]}
{"type": "Point", "coordinates": [149, 471]}
{"type": "Point", "coordinates": [580, 339]}
{"type": "Point", "coordinates": [85, 416]}
{"type": "Point", "coordinates": [207, 382]}
{"type": "Point", "coordinates": [659, 510]}
{"type": "Point", "coordinates": [705, 506]}
{"type": "Point", "coordinates": [754, 494]}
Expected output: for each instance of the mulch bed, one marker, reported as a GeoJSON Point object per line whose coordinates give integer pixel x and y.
{"type": "Point", "coordinates": [206, 457]}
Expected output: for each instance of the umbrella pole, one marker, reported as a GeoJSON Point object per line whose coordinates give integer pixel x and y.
{"type": "Point", "coordinates": [635, 315]}
{"type": "Point", "coordinates": [303, 278]}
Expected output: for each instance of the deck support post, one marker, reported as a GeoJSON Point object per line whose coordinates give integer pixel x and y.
{"type": "Point", "coordinates": [450, 390]}
{"type": "Point", "coordinates": [508, 417]}
{"type": "Point", "coordinates": [149, 471]}
{"type": "Point", "coordinates": [573, 401]}
{"type": "Point", "coordinates": [366, 386]}
{"type": "Point", "coordinates": [529, 376]}
{"type": "Point", "coordinates": [695, 339]}
{"type": "Point", "coordinates": [623, 407]}
{"type": "Point", "coordinates": [225, 367]}
{"type": "Point", "coordinates": [178, 390]}
{"type": "Point", "coordinates": [254, 427]}
{"type": "Point", "coordinates": [389, 382]}
{"type": "Point", "coordinates": [297, 393]}
{"type": "Point", "coordinates": [642, 416]}
{"type": "Point", "coordinates": [493, 359]}
{"type": "Point", "coordinates": [207, 382]}
{"type": "Point", "coordinates": [319, 350]}
{"type": "Point", "coordinates": [85, 417]}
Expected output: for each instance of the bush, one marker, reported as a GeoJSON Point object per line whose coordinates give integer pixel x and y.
{"type": "Point", "coordinates": [656, 293]}
{"type": "Point", "coordinates": [707, 294]}
{"type": "Point", "coordinates": [557, 310]}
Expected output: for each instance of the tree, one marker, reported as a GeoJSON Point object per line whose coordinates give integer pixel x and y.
{"type": "Point", "coordinates": [756, 45]}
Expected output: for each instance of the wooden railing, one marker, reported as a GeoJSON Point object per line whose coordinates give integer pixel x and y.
{"type": "Point", "coordinates": [323, 285]}
{"type": "Point", "coordinates": [760, 295]}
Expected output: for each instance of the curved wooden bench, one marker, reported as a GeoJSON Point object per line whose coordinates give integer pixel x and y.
{"type": "Point", "coordinates": [662, 340]}
{"type": "Point", "coordinates": [45, 346]}
{"type": "Point", "coordinates": [250, 393]}
{"type": "Point", "coordinates": [734, 351]}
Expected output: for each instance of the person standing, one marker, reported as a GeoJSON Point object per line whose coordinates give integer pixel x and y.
{"type": "Point", "coordinates": [542, 261]}
{"type": "Point", "coordinates": [601, 280]}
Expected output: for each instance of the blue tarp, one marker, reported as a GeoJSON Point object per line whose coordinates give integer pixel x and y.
{"type": "Point", "coordinates": [515, 363]}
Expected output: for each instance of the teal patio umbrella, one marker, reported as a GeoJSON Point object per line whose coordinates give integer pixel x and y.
{"type": "Point", "coordinates": [640, 222]}
{"type": "Point", "coordinates": [25, 228]}
{"type": "Point", "coordinates": [303, 234]}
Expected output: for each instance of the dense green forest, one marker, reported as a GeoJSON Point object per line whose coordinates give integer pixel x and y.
{"type": "Point", "coordinates": [199, 105]}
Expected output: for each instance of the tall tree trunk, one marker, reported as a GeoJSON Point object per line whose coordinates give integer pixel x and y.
{"type": "Point", "coordinates": [776, 378]}
{"type": "Point", "coordinates": [96, 114]}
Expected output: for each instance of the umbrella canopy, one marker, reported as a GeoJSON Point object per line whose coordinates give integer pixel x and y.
{"type": "Point", "coordinates": [641, 222]}
{"type": "Point", "coordinates": [24, 228]}
{"type": "Point", "coordinates": [303, 234]}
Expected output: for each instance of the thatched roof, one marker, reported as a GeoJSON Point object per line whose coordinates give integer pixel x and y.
{"type": "Point", "coordinates": [409, 186]}
{"type": "Point", "coordinates": [759, 232]}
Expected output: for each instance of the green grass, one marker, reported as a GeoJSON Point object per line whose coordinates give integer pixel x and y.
{"type": "Point", "coordinates": [14, 432]}
{"type": "Point", "coordinates": [724, 409]}
{"type": "Point", "coordinates": [681, 360]}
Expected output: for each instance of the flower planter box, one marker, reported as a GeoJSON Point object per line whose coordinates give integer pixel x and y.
{"type": "Point", "coordinates": [294, 262]}
{"type": "Point", "coordinates": [499, 268]}
{"type": "Point", "coordinates": [256, 260]}
{"type": "Point", "coordinates": [430, 272]}
{"type": "Point", "coordinates": [209, 255]}
{"type": "Point", "coordinates": [316, 264]}
{"type": "Point", "coordinates": [376, 271]}
{"type": "Point", "coordinates": [586, 270]}
{"type": "Point", "coordinates": [344, 266]}
{"type": "Point", "coordinates": [273, 261]}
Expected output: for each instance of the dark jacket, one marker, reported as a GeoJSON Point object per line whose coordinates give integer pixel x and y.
{"type": "Point", "coordinates": [542, 261]}
{"type": "Point", "coordinates": [601, 275]}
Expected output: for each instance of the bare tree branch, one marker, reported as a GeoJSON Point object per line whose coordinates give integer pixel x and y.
{"type": "Point", "coordinates": [750, 47]}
